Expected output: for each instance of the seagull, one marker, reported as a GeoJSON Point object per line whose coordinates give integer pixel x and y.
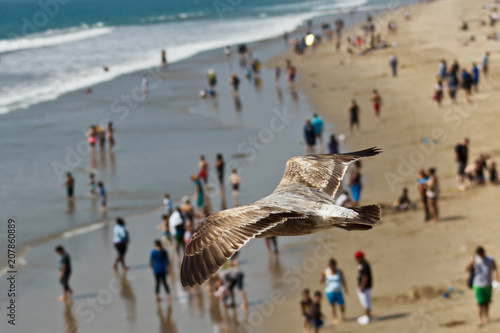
{"type": "Point", "coordinates": [301, 204]}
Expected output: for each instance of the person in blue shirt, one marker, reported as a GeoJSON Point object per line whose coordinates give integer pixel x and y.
{"type": "Point", "coordinates": [159, 263]}
{"type": "Point", "coordinates": [475, 77]}
{"type": "Point", "coordinates": [317, 124]}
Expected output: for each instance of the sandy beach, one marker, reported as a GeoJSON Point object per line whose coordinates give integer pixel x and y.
{"type": "Point", "coordinates": [413, 263]}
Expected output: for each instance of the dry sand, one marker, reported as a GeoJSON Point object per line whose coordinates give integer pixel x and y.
{"type": "Point", "coordinates": [412, 262]}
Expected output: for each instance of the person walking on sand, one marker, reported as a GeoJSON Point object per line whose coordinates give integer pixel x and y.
{"type": "Point", "coordinates": [110, 135]}
{"type": "Point", "coordinates": [432, 193]}
{"type": "Point", "coordinates": [309, 137]}
{"type": "Point", "coordinates": [452, 85]}
{"type": "Point", "coordinates": [64, 272]}
{"type": "Point", "coordinates": [158, 261]}
{"type": "Point", "coordinates": [334, 280]}
{"type": "Point", "coordinates": [316, 315]}
{"type": "Point", "coordinates": [333, 145]}
{"type": "Point", "coordinates": [364, 286]}
{"type": "Point", "coordinates": [377, 102]}
{"type": "Point", "coordinates": [235, 180]}
{"type": "Point", "coordinates": [354, 117]}
{"type": "Point", "coordinates": [466, 84]}
{"type": "Point", "coordinates": [475, 77]}
{"type": "Point", "coordinates": [69, 183]}
{"type": "Point", "coordinates": [317, 124]}
{"type": "Point", "coordinates": [421, 181]}
{"type": "Point", "coordinates": [484, 63]}
{"type": "Point", "coordinates": [121, 240]}
{"type": "Point", "coordinates": [483, 268]}
{"type": "Point", "coordinates": [393, 62]}
{"type": "Point", "coordinates": [354, 183]}
{"type": "Point", "coordinates": [461, 158]}
{"type": "Point", "coordinates": [305, 309]}
{"type": "Point", "coordinates": [438, 92]}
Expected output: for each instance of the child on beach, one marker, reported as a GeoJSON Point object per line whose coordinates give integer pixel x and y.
{"type": "Point", "coordinates": [120, 241]}
{"type": "Point", "coordinates": [102, 193]}
{"type": "Point", "coordinates": [164, 227]}
{"type": "Point", "coordinates": [377, 102]}
{"type": "Point", "coordinates": [315, 314]}
{"type": "Point", "coordinates": [167, 204]}
{"type": "Point", "coordinates": [305, 309]}
{"type": "Point", "coordinates": [159, 262]}
{"type": "Point", "coordinates": [92, 184]}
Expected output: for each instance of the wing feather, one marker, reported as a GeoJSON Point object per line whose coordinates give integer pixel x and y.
{"type": "Point", "coordinates": [224, 233]}
{"type": "Point", "coordinates": [322, 172]}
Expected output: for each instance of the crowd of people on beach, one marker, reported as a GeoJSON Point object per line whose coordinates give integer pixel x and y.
{"type": "Point", "coordinates": [179, 222]}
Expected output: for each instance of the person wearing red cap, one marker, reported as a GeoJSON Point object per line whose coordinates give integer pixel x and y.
{"type": "Point", "coordinates": [364, 286]}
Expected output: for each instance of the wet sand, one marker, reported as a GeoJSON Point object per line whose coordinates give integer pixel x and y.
{"type": "Point", "coordinates": [412, 262]}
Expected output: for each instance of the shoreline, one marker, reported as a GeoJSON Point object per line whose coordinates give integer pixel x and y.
{"type": "Point", "coordinates": [207, 54]}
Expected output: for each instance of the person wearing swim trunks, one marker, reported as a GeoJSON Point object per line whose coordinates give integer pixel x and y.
{"type": "Point", "coordinates": [334, 281]}
{"type": "Point", "coordinates": [120, 241]}
{"type": "Point", "coordinates": [203, 169]}
{"type": "Point", "coordinates": [102, 193]}
{"type": "Point", "coordinates": [461, 157]}
{"type": "Point", "coordinates": [220, 167]}
{"type": "Point", "coordinates": [69, 183]}
{"type": "Point", "coordinates": [235, 179]}
{"type": "Point", "coordinates": [92, 137]}
{"type": "Point", "coordinates": [64, 272]}
{"type": "Point", "coordinates": [364, 286]}
{"type": "Point", "coordinates": [377, 102]}
{"type": "Point", "coordinates": [354, 183]}
{"type": "Point", "coordinates": [317, 124]}
{"type": "Point", "coordinates": [484, 268]}
{"type": "Point", "coordinates": [354, 117]}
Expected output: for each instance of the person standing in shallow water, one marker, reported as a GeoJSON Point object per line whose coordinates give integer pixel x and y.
{"type": "Point", "coordinates": [158, 261]}
{"type": "Point", "coordinates": [317, 124]}
{"type": "Point", "coordinates": [69, 183]}
{"type": "Point", "coordinates": [64, 272]}
{"type": "Point", "coordinates": [333, 145]}
{"type": "Point", "coordinates": [120, 240]}
{"type": "Point", "coordinates": [220, 168]}
{"type": "Point", "coordinates": [235, 180]}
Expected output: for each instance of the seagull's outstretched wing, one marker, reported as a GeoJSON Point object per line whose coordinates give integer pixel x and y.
{"type": "Point", "coordinates": [322, 172]}
{"type": "Point", "coordinates": [224, 233]}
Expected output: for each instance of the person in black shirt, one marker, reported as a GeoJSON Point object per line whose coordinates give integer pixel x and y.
{"type": "Point", "coordinates": [461, 156]}
{"type": "Point", "coordinates": [305, 309]}
{"type": "Point", "coordinates": [364, 286]}
{"type": "Point", "coordinates": [309, 137]}
{"type": "Point", "coordinates": [64, 272]}
{"type": "Point", "coordinates": [316, 315]}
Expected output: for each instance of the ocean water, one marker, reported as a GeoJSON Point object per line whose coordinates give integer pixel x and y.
{"type": "Point", "coordinates": [52, 47]}
{"type": "Point", "coordinates": [159, 142]}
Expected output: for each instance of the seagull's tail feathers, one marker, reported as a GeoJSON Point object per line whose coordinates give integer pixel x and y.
{"type": "Point", "coordinates": [368, 217]}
